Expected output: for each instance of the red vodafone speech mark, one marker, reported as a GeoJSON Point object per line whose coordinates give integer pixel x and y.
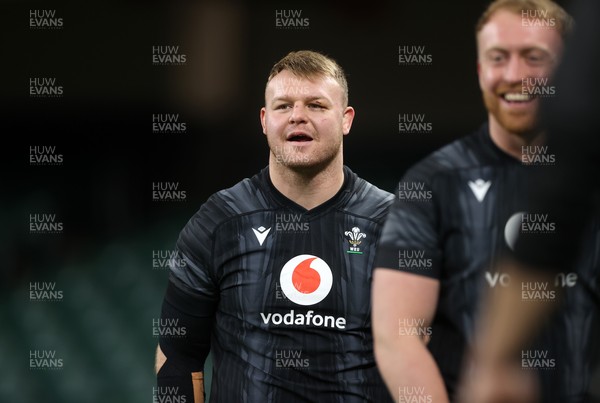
{"type": "Point", "coordinates": [305, 278]}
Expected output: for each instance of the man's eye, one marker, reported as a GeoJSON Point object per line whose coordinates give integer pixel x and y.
{"type": "Point", "coordinates": [497, 58]}
{"type": "Point", "coordinates": [282, 106]}
{"type": "Point", "coordinates": [316, 106]}
{"type": "Point", "coordinates": [536, 58]}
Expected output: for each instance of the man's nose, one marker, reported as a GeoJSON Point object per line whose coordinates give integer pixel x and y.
{"type": "Point", "coordinates": [516, 70]}
{"type": "Point", "coordinates": [298, 113]}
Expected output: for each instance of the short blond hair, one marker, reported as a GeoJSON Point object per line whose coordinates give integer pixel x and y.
{"type": "Point", "coordinates": [564, 22]}
{"type": "Point", "coordinates": [307, 64]}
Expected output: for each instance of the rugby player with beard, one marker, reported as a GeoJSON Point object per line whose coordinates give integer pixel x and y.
{"type": "Point", "coordinates": [440, 249]}
{"type": "Point", "coordinates": [284, 308]}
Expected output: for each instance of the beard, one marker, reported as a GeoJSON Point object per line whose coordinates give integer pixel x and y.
{"type": "Point", "coordinates": [307, 162]}
{"type": "Point", "coordinates": [523, 123]}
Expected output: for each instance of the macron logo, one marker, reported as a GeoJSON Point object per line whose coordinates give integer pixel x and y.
{"type": "Point", "coordinates": [261, 234]}
{"type": "Point", "coordinates": [480, 188]}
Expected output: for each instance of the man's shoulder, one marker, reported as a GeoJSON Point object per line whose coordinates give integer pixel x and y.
{"type": "Point", "coordinates": [243, 198]}
{"type": "Point", "coordinates": [368, 199]}
{"type": "Point", "coordinates": [197, 237]}
{"type": "Point", "coordinates": [462, 153]}
{"type": "Point", "coordinates": [369, 191]}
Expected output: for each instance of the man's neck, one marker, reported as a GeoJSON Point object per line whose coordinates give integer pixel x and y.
{"type": "Point", "coordinates": [305, 188]}
{"type": "Point", "coordinates": [512, 143]}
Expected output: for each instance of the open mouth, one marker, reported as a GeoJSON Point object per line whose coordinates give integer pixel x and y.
{"type": "Point", "coordinates": [299, 137]}
{"type": "Point", "coordinates": [516, 97]}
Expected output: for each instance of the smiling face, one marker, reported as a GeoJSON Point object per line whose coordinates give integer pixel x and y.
{"type": "Point", "coordinates": [305, 120]}
{"type": "Point", "coordinates": [512, 59]}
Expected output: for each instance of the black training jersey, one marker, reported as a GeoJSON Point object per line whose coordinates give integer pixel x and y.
{"type": "Point", "coordinates": [291, 291]}
{"type": "Point", "coordinates": [456, 213]}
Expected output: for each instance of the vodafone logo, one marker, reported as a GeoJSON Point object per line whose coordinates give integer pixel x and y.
{"type": "Point", "coordinates": [306, 279]}
{"type": "Point", "coordinates": [512, 229]}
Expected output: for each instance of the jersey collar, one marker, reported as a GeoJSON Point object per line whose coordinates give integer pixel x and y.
{"type": "Point", "coordinates": [339, 198]}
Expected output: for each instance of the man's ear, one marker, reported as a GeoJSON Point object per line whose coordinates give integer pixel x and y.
{"type": "Point", "coordinates": [263, 119]}
{"type": "Point", "coordinates": [347, 119]}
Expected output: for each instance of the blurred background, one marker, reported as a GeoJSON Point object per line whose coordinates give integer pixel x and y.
{"type": "Point", "coordinates": [83, 238]}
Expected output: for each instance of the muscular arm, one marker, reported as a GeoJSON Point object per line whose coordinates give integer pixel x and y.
{"type": "Point", "coordinates": [403, 303]}
{"type": "Point", "coordinates": [505, 309]}
{"type": "Point", "coordinates": [493, 373]}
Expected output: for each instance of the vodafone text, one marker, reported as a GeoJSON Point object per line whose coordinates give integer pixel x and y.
{"type": "Point", "coordinates": [303, 319]}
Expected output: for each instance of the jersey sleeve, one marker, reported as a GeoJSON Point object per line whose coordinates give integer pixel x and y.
{"type": "Point", "coordinates": [192, 271]}
{"type": "Point", "coordinates": [409, 240]}
{"type": "Point", "coordinates": [189, 303]}
{"type": "Point", "coordinates": [193, 292]}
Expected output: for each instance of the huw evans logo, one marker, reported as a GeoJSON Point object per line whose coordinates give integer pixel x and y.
{"type": "Point", "coordinates": [45, 87]}
{"type": "Point", "coordinates": [537, 155]}
{"type": "Point", "coordinates": [290, 359]}
{"type": "Point", "coordinates": [413, 259]}
{"type": "Point", "coordinates": [413, 394]}
{"type": "Point", "coordinates": [45, 19]}
{"type": "Point", "coordinates": [537, 87]}
{"type": "Point", "coordinates": [537, 359]}
{"type": "Point", "coordinates": [45, 292]}
{"type": "Point", "coordinates": [412, 123]}
{"type": "Point", "coordinates": [168, 123]}
{"type": "Point", "coordinates": [169, 394]}
{"type": "Point", "coordinates": [168, 55]}
{"type": "Point", "coordinates": [44, 155]}
{"type": "Point", "coordinates": [44, 224]}
{"type": "Point", "coordinates": [537, 291]}
{"type": "Point", "coordinates": [44, 360]}
{"type": "Point", "coordinates": [167, 258]}
{"type": "Point", "coordinates": [414, 191]}
{"type": "Point", "coordinates": [167, 191]}
{"type": "Point", "coordinates": [291, 19]}
{"type": "Point", "coordinates": [537, 19]}
{"type": "Point", "coordinates": [412, 55]}
{"type": "Point", "coordinates": [291, 223]}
